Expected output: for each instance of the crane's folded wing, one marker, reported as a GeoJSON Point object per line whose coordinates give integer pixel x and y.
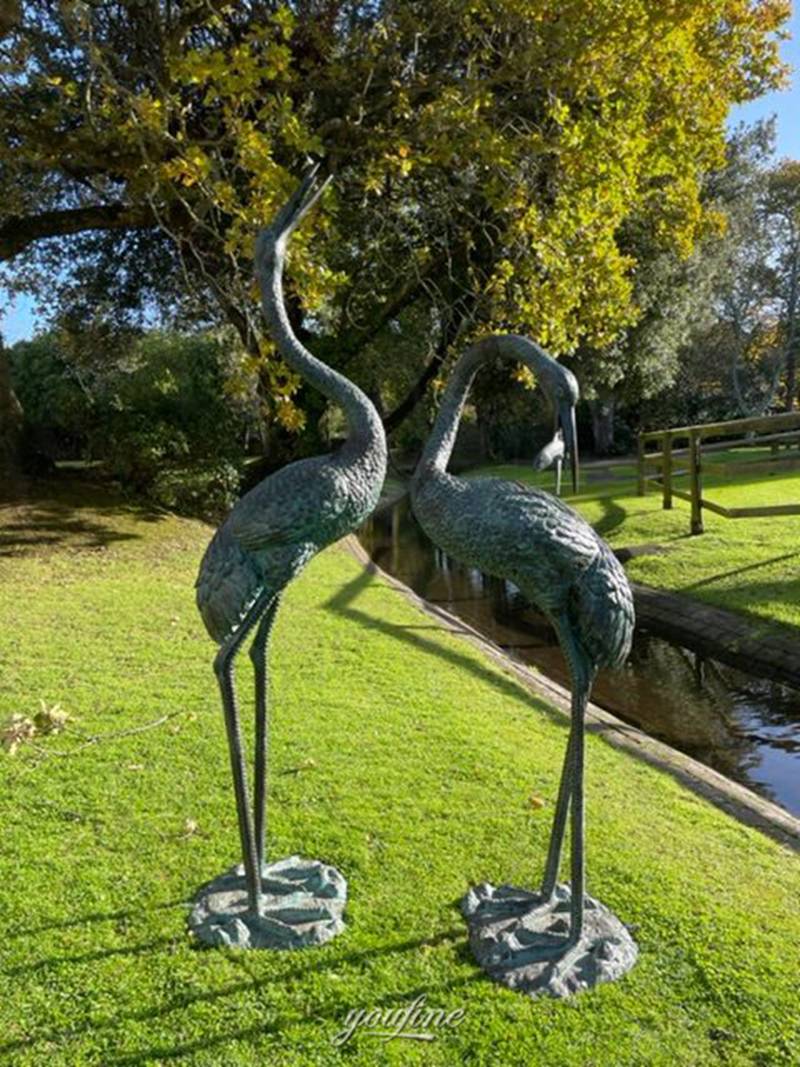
{"type": "Point", "coordinates": [289, 507]}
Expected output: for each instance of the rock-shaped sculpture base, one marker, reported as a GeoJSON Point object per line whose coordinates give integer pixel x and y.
{"type": "Point", "coordinates": [301, 906]}
{"type": "Point", "coordinates": [518, 940]}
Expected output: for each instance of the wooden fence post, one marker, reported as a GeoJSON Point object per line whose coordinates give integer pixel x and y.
{"type": "Point", "coordinates": [666, 470]}
{"type": "Point", "coordinates": [695, 473]}
{"type": "Point", "coordinates": [640, 465]}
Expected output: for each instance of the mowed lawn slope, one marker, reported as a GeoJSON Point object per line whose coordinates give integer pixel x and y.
{"type": "Point", "coordinates": [401, 754]}
{"type": "Point", "coordinates": [747, 565]}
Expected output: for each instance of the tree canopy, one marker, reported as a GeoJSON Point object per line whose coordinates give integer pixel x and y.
{"type": "Point", "coordinates": [489, 154]}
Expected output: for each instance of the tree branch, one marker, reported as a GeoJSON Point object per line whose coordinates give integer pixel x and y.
{"type": "Point", "coordinates": [353, 341]}
{"type": "Point", "coordinates": [418, 389]}
{"type": "Point", "coordinates": [16, 233]}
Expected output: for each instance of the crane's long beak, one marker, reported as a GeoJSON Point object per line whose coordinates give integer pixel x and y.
{"type": "Point", "coordinates": [566, 418]}
{"type": "Point", "coordinates": [302, 200]}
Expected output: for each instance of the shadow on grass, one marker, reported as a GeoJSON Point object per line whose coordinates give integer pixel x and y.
{"type": "Point", "coordinates": [85, 920]}
{"type": "Point", "coordinates": [614, 515]}
{"type": "Point", "coordinates": [342, 603]}
{"type": "Point", "coordinates": [89, 957]}
{"type": "Point", "coordinates": [392, 1000]}
{"type": "Point", "coordinates": [685, 774]}
{"type": "Point", "coordinates": [313, 961]}
{"type": "Point", "coordinates": [55, 513]}
{"type": "Point", "coordinates": [743, 570]}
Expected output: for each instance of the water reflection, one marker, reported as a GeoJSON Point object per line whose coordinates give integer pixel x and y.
{"type": "Point", "coordinates": [746, 727]}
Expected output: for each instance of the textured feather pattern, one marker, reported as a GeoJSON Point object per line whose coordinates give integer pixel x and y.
{"type": "Point", "coordinates": [535, 540]}
{"type": "Point", "coordinates": [601, 610]}
{"type": "Point", "coordinates": [274, 530]}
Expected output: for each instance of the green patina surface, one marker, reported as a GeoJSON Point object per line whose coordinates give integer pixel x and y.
{"type": "Point", "coordinates": [747, 565]}
{"type": "Point", "coordinates": [402, 755]}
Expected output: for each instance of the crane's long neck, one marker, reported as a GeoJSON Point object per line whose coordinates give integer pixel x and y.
{"type": "Point", "coordinates": [366, 430]}
{"type": "Point", "coordinates": [439, 446]}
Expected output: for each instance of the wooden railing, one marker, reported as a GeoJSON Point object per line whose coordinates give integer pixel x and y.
{"type": "Point", "coordinates": [766, 430]}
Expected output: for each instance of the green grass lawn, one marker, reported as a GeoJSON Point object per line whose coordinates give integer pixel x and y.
{"type": "Point", "coordinates": [748, 565]}
{"type": "Point", "coordinates": [401, 754]}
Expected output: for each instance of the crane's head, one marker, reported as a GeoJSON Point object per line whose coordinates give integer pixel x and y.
{"type": "Point", "coordinates": [561, 387]}
{"type": "Point", "coordinates": [272, 240]}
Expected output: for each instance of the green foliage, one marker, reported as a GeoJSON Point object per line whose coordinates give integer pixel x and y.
{"type": "Point", "coordinates": [57, 409]}
{"type": "Point", "coordinates": [209, 488]}
{"type": "Point", "coordinates": [165, 406]}
{"type": "Point", "coordinates": [156, 410]}
{"type": "Point", "coordinates": [488, 155]}
{"type": "Point", "coordinates": [714, 329]}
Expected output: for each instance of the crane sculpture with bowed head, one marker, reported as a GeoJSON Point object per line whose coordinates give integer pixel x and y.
{"type": "Point", "coordinates": [266, 540]}
{"type": "Point", "coordinates": [564, 568]}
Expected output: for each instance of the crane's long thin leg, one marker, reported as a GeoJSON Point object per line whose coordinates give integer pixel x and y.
{"type": "Point", "coordinates": [559, 824]}
{"type": "Point", "coordinates": [258, 654]}
{"type": "Point", "coordinates": [577, 842]}
{"type": "Point", "coordinates": [570, 793]}
{"type": "Point", "coordinates": [223, 668]}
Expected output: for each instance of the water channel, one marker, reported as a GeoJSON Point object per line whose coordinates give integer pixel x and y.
{"type": "Point", "coordinates": [745, 727]}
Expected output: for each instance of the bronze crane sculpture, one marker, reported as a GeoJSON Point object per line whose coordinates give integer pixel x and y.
{"type": "Point", "coordinates": [271, 533]}
{"type": "Point", "coordinates": [556, 941]}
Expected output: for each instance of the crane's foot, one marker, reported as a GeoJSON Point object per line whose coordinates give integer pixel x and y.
{"type": "Point", "coordinates": [532, 949]}
{"type": "Point", "coordinates": [302, 902]}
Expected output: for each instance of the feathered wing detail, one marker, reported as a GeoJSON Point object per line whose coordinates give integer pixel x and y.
{"type": "Point", "coordinates": [599, 602]}
{"type": "Point", "coordinates": [533, 538]}
{"type": "Point", "coordinates": [542, 545]}
{"type": "Point", "coordinates": [601, 609]}
{"type": "Point", "coordinates": [227, 584]}
{"type": "Point", "coordinates": [282, 509]}
{"type": "Point", "coordinates": [276, 528]}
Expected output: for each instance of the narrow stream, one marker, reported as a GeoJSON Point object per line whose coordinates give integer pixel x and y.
{"type": "Point", "coordinates": [745, 727]}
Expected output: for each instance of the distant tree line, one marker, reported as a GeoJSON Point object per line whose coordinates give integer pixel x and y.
{"type": "Point", "coordinates": [166, 413]}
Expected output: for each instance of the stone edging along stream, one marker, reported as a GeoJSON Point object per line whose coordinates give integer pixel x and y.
{"type": "Point", "coordinates": [742, 803]}
{"type": "Point", "coordinates": [718, 634]}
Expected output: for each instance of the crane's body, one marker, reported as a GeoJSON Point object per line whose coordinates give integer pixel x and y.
{"type": "Point", "coordinates": [273, 532]}
{"type": "Point", "coordinates": [275, 529]}
{"type": "Point", "coordinates": [539, 543]}
{"type": "Point", "coordinates": [558, 562]}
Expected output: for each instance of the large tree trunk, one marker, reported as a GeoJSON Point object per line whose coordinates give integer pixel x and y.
{"type": "Point", "coordinates": [793, 334]}
{"type": "Point", "coordinates": [602, 412]}
{"type": "Point", "coordinates": [10, 424]}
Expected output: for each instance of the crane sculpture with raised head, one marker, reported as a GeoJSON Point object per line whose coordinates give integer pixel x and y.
{"type": "Point", "coordinates": [269, 536]}
{"type": "Point", "coordinates": [555, 941]}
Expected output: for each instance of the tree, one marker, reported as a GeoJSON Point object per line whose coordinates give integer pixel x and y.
{"type": "Point", "coordinates": [488, 154]}
{"type": "Point", "coordinates": [742, 332]}
{"type": "Point", "coordinates": [704, 318]}
{"type": "Point", "coordinates": [782, 207]}
{"type": "Point", "coordinates": [11, 421]}
{"type": "Point", "coordinates": [747, 343]}
{"type": "Point", "coordinates": [673, 295]}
